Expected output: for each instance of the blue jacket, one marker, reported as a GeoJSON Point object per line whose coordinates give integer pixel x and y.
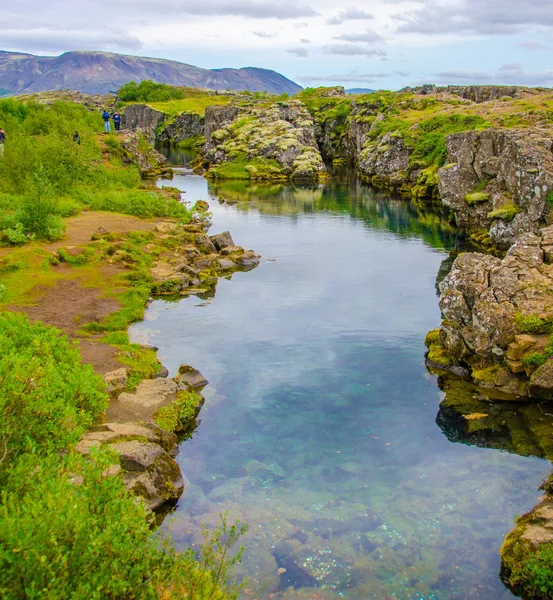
{"type": "Point", "coordinates": [105, 115]}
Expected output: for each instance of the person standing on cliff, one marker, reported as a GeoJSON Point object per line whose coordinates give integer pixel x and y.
{"type": "Point", "coordinates": [106, 117]}
{"type": "Point", "coordinates": [2, 140]}
{"type": "Point", "coordinates": [117, 121]}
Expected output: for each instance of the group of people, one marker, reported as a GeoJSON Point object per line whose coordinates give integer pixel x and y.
{"type": "Point", "coordinates": [116, 120]}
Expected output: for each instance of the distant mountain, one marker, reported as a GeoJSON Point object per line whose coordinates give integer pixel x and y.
{"type": "Point", "coordinates": [359, 91]}
{"type": "Point", "coordinates": [102, 72]}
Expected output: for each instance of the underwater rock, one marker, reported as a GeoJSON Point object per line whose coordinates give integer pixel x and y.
{"type": "Point", "coordinates": [468, 416]}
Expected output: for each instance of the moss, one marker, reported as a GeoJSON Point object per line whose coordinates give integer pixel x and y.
{"type": "Point", "coordinates": [525, 567]}
{"type": "Point", "coordinates": [534, 324]}
{"type": "Point", "coordinates": [476, 198]}
{"type": "Point", "coordinates": [505, 213]}
{"type": "Point", "coordinates": [241, 167]}
{"type": "Point", "coordinates": [437, 354]}
{"type": "Point", "coordinates": [432, 337]}
{"type": "Point", "coordinates": [487, 375]}
{"type": "Point", "coordinates": [180, 415]}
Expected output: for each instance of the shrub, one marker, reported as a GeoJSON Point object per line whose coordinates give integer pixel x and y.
{"type": "Point", "coordinates": [48, 397]}
{"type": "Point", "coordinates": [149, 91]}
{"type": "Point", "coordinates": [75, 533]}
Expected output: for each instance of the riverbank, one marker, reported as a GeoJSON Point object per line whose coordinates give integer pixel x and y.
{"type": "Point", "coordinates": [87, 277]}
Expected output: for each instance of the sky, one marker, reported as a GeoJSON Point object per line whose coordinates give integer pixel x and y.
{"type": "Point", "coordinates": [379, 44]}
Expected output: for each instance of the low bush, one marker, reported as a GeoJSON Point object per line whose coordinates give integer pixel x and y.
{"type": "Point", "coordinates": [69, 529]}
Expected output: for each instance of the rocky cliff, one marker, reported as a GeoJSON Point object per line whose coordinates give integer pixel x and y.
{"type": "Point", "coordinates": [499, 181]}
{"type": "Point", "coordinates": [275, 141]}
{"type": "Point", "coordinates": [497, 316]}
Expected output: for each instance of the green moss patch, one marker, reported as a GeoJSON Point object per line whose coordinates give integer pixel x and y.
{"type": "Point", "coordinates": [180, 415]}
{"type": "Point", "coordinates": [476, 198]}
{"type": "Point", "coordinates": [505, 213]}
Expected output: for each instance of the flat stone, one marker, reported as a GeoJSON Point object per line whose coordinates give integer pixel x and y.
{"type": "Point", "coordinates": [113, 432]}
{"type": "Point", "coordinates": [232, 250]}
{"type": "Point", "coordinates": [536, 534]}
{"type": "Point", "coordinates": [151, 393]}
{"type": "Point", "coordinates": [226, 264]}
{"type": "Point", "coordinates": [136, 455]}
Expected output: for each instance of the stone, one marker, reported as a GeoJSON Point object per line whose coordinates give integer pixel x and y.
{"type": "Point", "coordinates": [116, 380]}
{"type": "Point", "coordinates": [222, 240]}
{"type": "Point", "coordinates": [166, 227]}
{"type": "Point", "coordinates": [136, 455]}
{"type": "Point", "coordinates": [150, 472]}
{"type": "Point", "coordinates": [204, 244]}
{"type": "Point", "coordinates": [200, 206]}
{"type": "Point", "coordinates": [206, 262]}
{"type": "Point", "coordinates": [232, 250]}
{"type": "Point", "coordinates": [189, 377]}
{"type": "Point", "coordinates": [163, 372]}
{"type": "Point", "coordinates": [225, 264]}
{"type": "Point", "coordinates": [114, 432]}
{"type": "Point", "coordinates": [151, 393]}
{"type": "Point", "coordinates": [541, 381]}
{"type": "Point", "coordinates": [247, 259]}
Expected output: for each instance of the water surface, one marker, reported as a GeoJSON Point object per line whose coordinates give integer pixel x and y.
{"type": "Point", "coordinates": [319, 427]}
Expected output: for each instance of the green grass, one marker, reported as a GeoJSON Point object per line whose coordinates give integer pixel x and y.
{"type": "Point", "coordinates": [196, 105]}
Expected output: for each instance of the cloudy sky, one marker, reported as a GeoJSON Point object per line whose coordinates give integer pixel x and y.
{"type": "Point", "coordinates": [383, 44]}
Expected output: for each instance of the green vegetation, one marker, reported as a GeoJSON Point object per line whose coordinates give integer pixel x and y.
{"type": "Point", "coordinates": [476, 198]}
{"type": "Point", "coordinates": [242, 167]}
{"type": "Point", "coordinates": [67, 528]}
{"type": "Point", "coordinates": [436, 352]}
{"type": "Point", "coordinates": [149, 91]}
{"type": "Point", "coordinates": [526, 568]}
{"type": "Point", "coordinates": [505, 213]}
{"type": "Point", "coordinates": [180, 415]}
{"type": "Point", "coordinates": [534, 324]}
{"type": "Point", "coordinates": [45, 176]}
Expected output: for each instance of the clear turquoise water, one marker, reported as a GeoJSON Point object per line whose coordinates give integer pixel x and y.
{"type": "Point", "coordinates": [319, 427]}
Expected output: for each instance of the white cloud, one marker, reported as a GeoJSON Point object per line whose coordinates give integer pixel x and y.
{"type": "Point", "coordinates": [369, 35]}
{"type": "Point", "coordinates": [350, 14]}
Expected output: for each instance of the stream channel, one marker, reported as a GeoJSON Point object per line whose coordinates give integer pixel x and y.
{"type": "Point", "coordinates": [319, 428]}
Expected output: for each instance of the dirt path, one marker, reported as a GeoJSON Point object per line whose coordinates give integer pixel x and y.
{"type": "Point", "coordinates": [69, 304]}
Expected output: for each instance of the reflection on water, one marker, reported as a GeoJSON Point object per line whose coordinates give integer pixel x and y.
{"type": "Point", "coordinates": [319, 429]}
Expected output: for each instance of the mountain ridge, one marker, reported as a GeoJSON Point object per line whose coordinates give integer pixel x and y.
{"type": "Point", "coordinates": [94, 72]}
